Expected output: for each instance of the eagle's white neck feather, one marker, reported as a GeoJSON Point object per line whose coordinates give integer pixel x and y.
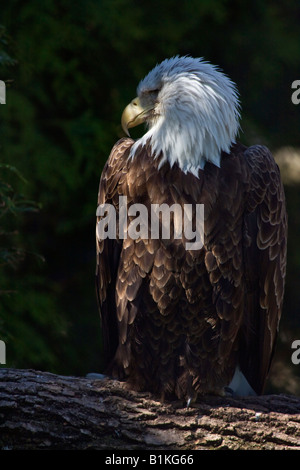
{"type": "Point", "coordinates": [196, 113]}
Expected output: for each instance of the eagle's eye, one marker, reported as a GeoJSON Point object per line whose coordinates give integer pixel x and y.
{"type": "Point", "coordinates": [153, 93]}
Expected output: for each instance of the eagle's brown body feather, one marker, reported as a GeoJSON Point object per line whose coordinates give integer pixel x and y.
{"type": "Point", "coordinates": [177, 322]}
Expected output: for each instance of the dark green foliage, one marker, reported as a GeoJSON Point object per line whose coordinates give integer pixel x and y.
{"type": "Point", "coordinates": [78, 64]}
{"type": "Point", "coordinates": [5, 59]}
{"type": "Point", "coordinates": [11, 205]}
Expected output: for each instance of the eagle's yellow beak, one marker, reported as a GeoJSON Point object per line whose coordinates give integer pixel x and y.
{"type": "Point", "coordinates": [133, 115]}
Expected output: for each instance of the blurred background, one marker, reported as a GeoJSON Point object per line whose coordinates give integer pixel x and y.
{"type": "Point", "coordinates": [70, 67]}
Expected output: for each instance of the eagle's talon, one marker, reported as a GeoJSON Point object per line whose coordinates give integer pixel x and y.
{"type": "Point", "coordinates": [189, 400]}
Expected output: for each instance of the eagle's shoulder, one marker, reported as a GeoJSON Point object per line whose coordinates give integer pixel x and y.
{"type": "Point", "coordinates": [118, 156]}
{"type": "Point", "coordinates": [265, 184]}
{"type": "Point", "coordinates": [260, 157]}
{"type": "Point", "coordinates": [115, 166]}
{"type": "Point", "coordinates": [254, 155]}
{"type": "Point", "coordinates": [120, 147]}
{"type": "Point", "coordinates": [254, 166]}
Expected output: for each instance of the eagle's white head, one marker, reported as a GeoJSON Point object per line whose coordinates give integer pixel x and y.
{"type": "Point", "coordinates": [191, 109]}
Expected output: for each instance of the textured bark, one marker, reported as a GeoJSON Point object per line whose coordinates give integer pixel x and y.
{"type": "Point", "coordinates": [39, 410]}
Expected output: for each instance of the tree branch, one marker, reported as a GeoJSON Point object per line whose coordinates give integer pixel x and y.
{"type": "Point", "coordinates": [40, 410]}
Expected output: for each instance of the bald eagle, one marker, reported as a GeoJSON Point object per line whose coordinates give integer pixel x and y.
{"type": "Point", "coordinates": [184, 322]}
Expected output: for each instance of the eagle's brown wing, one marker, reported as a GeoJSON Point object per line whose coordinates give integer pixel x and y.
{"type": "Point", "coordinates": [265, 239]}
{"type": "Point", "coordinates": [245, 258]}
{"type": "Point", "coordinates": [108, 250]}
